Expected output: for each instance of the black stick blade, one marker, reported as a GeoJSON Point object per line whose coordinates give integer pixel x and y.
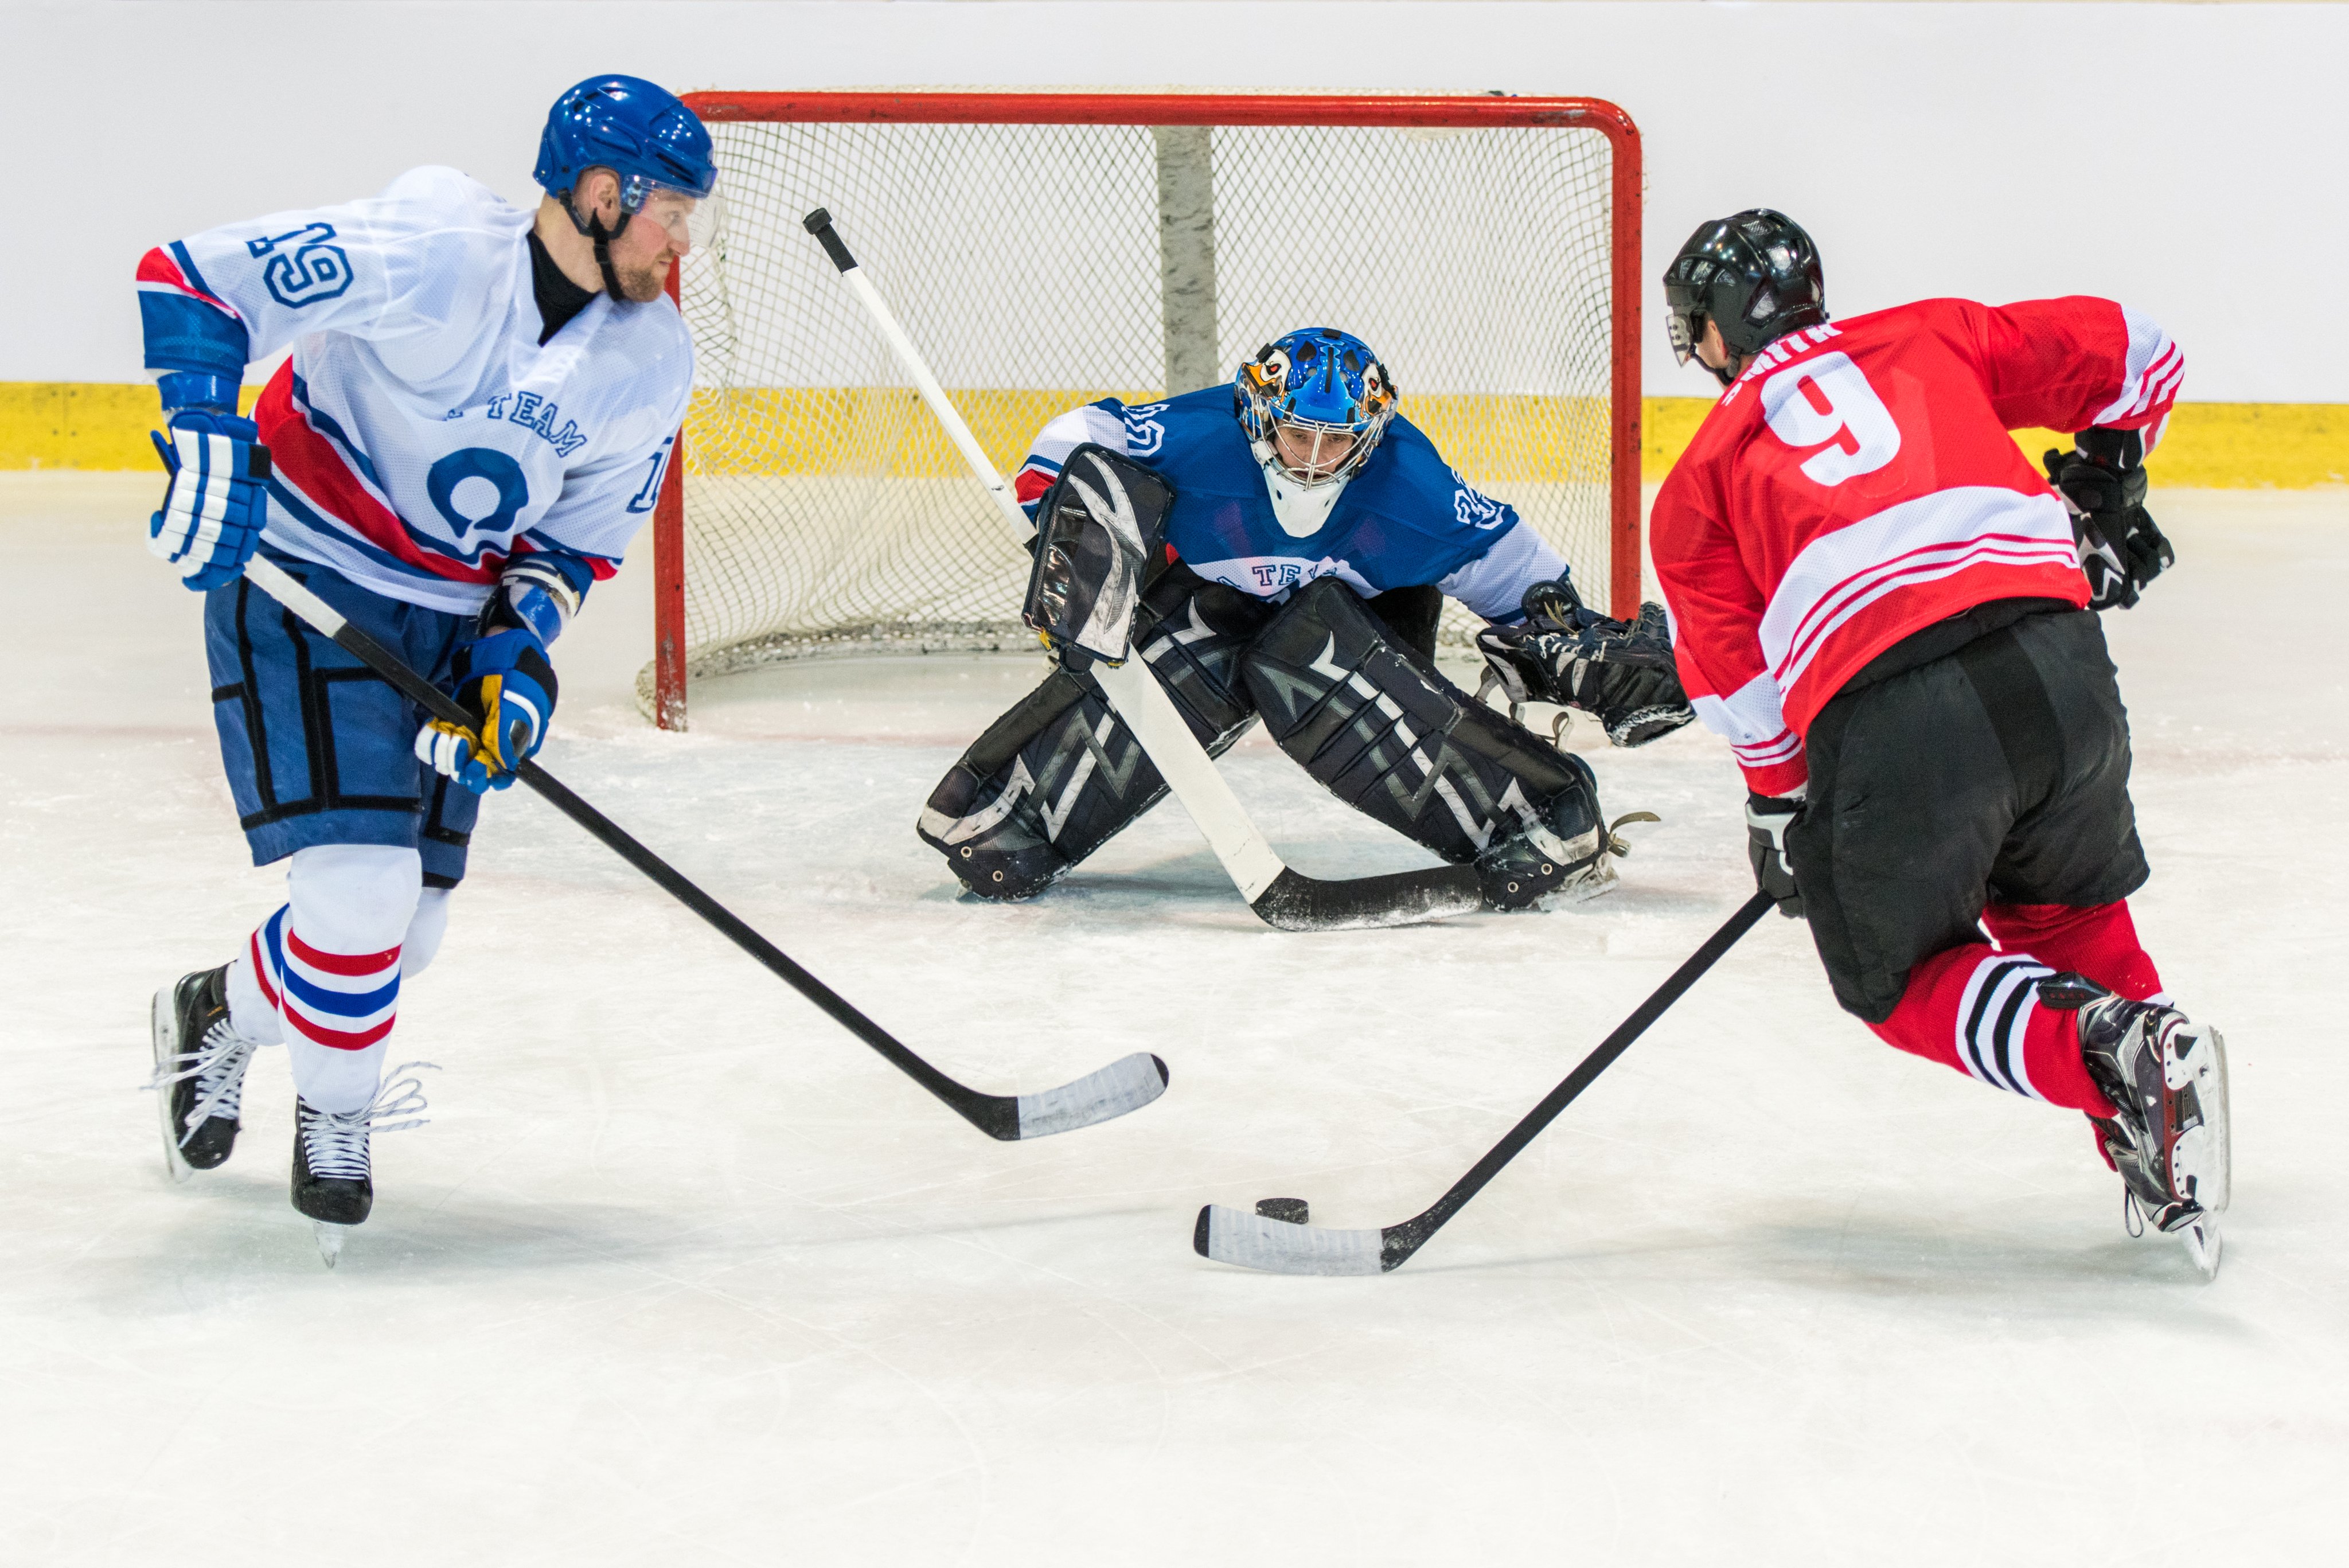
{"type": "Point", "coordinates": [1298, 903]}
{"type": "Point", "coordinates": [1277, 1247]}
{"type": "Point", "coordinates": [1126, 1085]}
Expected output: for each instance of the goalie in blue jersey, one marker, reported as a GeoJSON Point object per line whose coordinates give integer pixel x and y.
{"type": "Point", "coordinates": [1312, 536]}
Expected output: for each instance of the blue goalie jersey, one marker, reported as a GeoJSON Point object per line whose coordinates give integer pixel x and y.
{"type": "Point", "coordinates": [1405, 519]}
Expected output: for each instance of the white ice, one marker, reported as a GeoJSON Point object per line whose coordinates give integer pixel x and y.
{"type": "Point", "coordinates": [682, 1274]}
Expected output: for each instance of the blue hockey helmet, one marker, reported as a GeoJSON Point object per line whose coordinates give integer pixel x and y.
{"type": "Point", "coordinates": [1325, 392]}
{"type": "Point", "coordinates": [643, 133]}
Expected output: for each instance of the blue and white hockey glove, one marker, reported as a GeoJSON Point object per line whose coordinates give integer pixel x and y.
{"type": "Point", "coordinates": [213, 512]}
{"type": "Point", "coordinates": [505, 682]}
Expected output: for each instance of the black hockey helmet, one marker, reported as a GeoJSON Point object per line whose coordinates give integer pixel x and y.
{"type": "Point", "coordinates": [1755, 274]}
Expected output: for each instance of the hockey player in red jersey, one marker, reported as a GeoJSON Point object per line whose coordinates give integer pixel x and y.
{"type": "Point", "coordinates": [1891, 615]}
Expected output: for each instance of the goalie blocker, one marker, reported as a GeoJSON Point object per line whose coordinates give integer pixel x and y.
{"type": "Point", "coordinates": [1361, 707]}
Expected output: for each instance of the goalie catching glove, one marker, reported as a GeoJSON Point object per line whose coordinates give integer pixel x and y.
{"type": "Point", "coordinates": [505, 682]}
{"type": "Point", "coordinates": [1619, 673]}
{"type": "Point", "coordinates": [2102, 482]}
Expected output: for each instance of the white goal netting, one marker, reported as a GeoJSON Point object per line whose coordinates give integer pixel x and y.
{"type": "Point", "coordinates": [1038, 266]}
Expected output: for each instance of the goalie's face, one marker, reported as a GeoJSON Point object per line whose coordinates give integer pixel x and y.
{"type": "Point", "coordinates": [1311, 453]}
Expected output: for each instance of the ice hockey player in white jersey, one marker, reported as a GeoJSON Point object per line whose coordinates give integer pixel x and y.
{"type": "Point", "coordinates": [1312, 536]}
{"type": "Point", "coordinates": [471, 428]}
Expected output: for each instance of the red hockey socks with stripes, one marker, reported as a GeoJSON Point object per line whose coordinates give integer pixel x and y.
{"type": "Point", "coordinates": [1976, 1008]}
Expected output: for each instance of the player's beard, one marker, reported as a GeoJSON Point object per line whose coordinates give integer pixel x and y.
{"type": "Point", "coordinates": [643, 283]}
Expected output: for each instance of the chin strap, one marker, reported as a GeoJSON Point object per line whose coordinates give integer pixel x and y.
{"type": "Point", "coordinates": [593, 227]}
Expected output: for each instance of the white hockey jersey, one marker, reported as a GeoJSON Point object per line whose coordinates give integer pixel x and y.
{"type": "Point", "coordinates": [421, 435]}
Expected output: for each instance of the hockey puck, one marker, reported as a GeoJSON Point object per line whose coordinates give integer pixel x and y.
{"type": "Point", "coordinates": [1288, 1211]}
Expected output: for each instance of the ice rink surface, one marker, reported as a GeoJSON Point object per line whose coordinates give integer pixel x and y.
{"type": "Point", "coordinates": [682, 1274]}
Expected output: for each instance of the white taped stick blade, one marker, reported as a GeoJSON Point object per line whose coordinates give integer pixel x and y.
{"type": "Point", "coordinates": [1125, 1084]}
{"type": "Point", "coordinates": [1278, 1247]}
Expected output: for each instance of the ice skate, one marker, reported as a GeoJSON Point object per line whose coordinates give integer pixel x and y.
{"type": "Point", "coordinates": [200, 1063]}
{"type": "Point", "coordinates": [334, 1181]}
{"type": "Point", "coordinates": [1540, 870]}
{"type": "Point", "coordinates": [2167, 1075]}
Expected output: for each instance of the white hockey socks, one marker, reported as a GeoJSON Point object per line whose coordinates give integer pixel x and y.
{"type": "Point", "coordinates": [323, 974]}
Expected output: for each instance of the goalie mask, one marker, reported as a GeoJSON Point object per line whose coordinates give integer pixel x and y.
{"type": "Point", "coordinates": [1314, 404]}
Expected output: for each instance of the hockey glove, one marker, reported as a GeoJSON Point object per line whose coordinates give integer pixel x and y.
{"type": "Point", "coordinates": [1767, 817]}
{"type": "Point", "coordinates": [504, 680]}
{"type": "Point", "coordinates": [219, 491]}
{"type": "Point", "coordinates": [2102, 484]}
{"type": "Point", "coordinates": [1619, 673]}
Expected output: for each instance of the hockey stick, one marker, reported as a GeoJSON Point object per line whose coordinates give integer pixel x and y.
{"type": "Point", "coordinates": [1125, 1084]}
{"type": "Point", "coordinates": [1282, 896]}
{"type": "Point", "coordinates": [1275, 1246]}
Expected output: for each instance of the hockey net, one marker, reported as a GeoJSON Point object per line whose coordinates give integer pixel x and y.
{"type": "Point", "coordinates": [1047, 249]}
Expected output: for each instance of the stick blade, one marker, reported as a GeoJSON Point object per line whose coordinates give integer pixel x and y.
{"type": "Point", "coordinates": [1298, 903]}
{"type": "Point", "coordinates": [1126, 1085]}
{"type": "Point", "coordinates": [1278, 1247]}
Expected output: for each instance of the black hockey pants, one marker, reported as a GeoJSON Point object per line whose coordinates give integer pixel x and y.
{"type": "Point", "coordinates": [1949, 774]}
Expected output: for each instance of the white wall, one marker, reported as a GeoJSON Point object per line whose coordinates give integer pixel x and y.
{"type": "Point", "coordinates": [2187, 158]}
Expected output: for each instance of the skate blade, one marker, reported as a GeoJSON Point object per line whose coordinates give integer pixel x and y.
{"type": "Point", "coordinates": [2203, 1244]}
{"type": "Point", "coordinates": [2214, 1178]}
{"type": "Point", "coordinates": [1597, 882]}
{"type": "Point", "coordinates": [330, 1240]}
{"type": "Point", "coordinates": [165, 1031]}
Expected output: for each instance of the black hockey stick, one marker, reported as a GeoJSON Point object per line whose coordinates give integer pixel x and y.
{"type": "Point", "coordinates": [1282, 896]}
{"type": "Point", "coordinates": [1125, 1084]}
{"type": "Point", "coordinates": [1255, 1241]}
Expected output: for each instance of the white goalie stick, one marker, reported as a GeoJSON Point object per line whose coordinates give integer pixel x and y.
{"type": "Point", "coordinates": [1277, 1246]}
{"type": "Point", "coordinates": [1125, 1084]}
{"type": "Point", "coordinates": [1281, 896]}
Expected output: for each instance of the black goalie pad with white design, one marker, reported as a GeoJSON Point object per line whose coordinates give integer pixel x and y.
{"type": "Point", "coordinates": [1383, 732]}
{"type": "Point", "coordinates": [1100, 538]}
{"type": "Point", "coordinates": [1057, 776]}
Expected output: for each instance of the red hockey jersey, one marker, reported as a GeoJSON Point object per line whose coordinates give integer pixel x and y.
{"type": "Point", "coordinates": [1857, 484]}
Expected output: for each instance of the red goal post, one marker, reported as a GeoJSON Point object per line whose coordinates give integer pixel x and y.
{"type": "Point", "coordinates": [719, 408]}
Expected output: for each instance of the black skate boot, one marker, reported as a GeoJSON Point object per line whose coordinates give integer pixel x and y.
{"type": "Point", "coordinates": [1565, 859]}
{"type": "Point", "coordinates": [2168, 1076]}
{"type": "Point", "coordinates": [200, 1062]}
{"type": "Point", "coordinates": [334, 1181]}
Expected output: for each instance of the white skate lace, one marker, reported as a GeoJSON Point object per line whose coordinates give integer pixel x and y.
{"type": "Point", "coordinates": [336, 1142]}
{"type": "Point", "coordinates": [217, 1065]}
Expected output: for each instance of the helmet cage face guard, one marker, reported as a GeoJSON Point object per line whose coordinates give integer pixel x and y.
{"type": "Point", "coordinates": [1287, 392]}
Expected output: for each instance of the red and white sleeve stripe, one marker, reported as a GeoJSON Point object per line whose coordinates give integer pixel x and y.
{"type": "Point", "coordinates": [2156, 367]}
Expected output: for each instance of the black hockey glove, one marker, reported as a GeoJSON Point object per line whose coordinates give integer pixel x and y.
{"type": "Point", "coordinates": [1619, 673]}
{"type": "Point", "coordinates": [2103, 483]}
{"type": "Point", "coordinates": [1767, 817]}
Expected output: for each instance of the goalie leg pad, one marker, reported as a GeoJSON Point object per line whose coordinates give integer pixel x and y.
{"type": "Point", "coordinates": [1384, 732]}
{"type": "Point", "coordinates": [1060, 775]}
